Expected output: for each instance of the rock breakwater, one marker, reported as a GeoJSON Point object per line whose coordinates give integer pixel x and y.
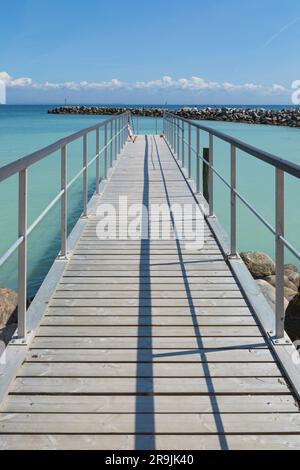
{"type": "Point", "coordinates": [284, 117]}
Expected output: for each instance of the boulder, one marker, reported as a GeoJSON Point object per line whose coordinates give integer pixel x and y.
{"type": "Point", "coordinates": [292, 318]}
{"type": "Point", "coordinates": [8, 307]}
{"type": "Point", "coordinates": [287, 282]}
{"type": "Point", "coordinates": [289, 294]}
{"type": "Point", "coordinates": [270, 293]}
{"type": "Point", "coordinates": [291, 267]}
{"type": "Point", "coordinates": [294, 278]}
{"type": "Point", "coordinates": [259, 264]}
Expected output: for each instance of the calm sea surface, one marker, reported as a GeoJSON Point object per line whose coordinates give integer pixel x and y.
{"type": "Point", "coordinates": [24, 129]}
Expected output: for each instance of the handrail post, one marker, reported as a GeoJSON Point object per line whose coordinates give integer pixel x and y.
{"type": "Point", "coordinates": [190, 152]}
{"type": "Point", "coordinates": [178, 139]}
{"type": "Point", "coordinates": [123, 131]}
{"type": "Point", "coordinates": [156, 126]}
{"type": "Point", "coordinates": [22, 256]}
{"type": "Point", "coordinates": [111, 148]}
{"type": "Point", "coordinates": [233, 200]}
{"type": "Point", "coordinates": [211, 176]}
{"type": "Point", "coordinates": [85, 175]}
{"type": "Point", "coordinates": [98, 161]}
{"type": "Point", "coordinates": [182, 150]}
{"type": "Point", "coordinates": [115, 140]}
{"type": "Point", "coordinates": [119, 135]}
{"type": "Point", "coordinates": [198, 161]}
{"type": "Point", "coordinates": [64, 199]}
{"type": "Point", "coordinates": [105, 151]}
{"type": "Point", "coordinates": [280, 313]}
{"type": "Point", "coordinates": [175, 136]}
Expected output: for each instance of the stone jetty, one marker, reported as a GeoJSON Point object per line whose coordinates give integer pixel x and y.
{"type": "Point", "coordinates": [284, 117]}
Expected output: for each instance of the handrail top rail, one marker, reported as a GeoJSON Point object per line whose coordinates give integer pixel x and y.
{"type": "Point", "coordinates": [24, 162]}
{"type": "Point", "coordinates": [280, 163]}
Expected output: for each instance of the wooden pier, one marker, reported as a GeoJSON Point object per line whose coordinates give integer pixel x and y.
{"type": "Point", "coordinates": [149, 344]}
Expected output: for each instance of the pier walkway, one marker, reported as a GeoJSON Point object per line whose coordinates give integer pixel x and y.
{"type": "Point", "coordinates": [149, 344]}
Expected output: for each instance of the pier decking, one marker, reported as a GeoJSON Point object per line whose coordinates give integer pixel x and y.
{"type": "Point", "coordinates": [148, 344]}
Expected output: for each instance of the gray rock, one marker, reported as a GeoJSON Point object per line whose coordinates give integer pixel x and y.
{"type": "Point", "coordinates": [290, 294]}
{"type": "Point", "coordinates": [290, 267]}
{"type": "Point", "coordinates": [284, 117]}
{"type": "Point", "coordinates": [294, 278]}
{"type": "Point", "coordinates": [8, 307]}
{"type": "Point", "coordinates": [259, 264]}
{"type": "Point", "coordinates": [287, 282]}
{"type": "Point", "coordinates": [270, 293]}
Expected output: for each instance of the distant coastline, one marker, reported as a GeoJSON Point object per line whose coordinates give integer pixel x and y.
{"type": "Point", "coordinates": [284, 117]}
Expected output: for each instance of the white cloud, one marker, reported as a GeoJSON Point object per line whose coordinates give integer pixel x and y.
{"type": "Point", "coordinates": [190, 84]}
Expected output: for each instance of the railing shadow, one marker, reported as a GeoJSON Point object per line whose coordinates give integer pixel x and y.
{"type": "Point", "coordinates": [145, 422]}
{"type": "Point", "coordinates": [209, 381]}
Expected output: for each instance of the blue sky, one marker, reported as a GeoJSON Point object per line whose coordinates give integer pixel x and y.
{"type": "Point", "coordinates": [221, 51]}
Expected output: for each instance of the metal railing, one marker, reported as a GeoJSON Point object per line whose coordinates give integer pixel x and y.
{"type": "Point", "coordinates": [114, 138]}
{"type": "Point", "coordinates": [175, 130]}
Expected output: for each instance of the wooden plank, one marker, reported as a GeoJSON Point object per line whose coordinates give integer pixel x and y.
{"type": "Point", "coordinates": [144, 343]}
{"type": "Point", "coordinates": [162, 442]}
{"type": "Point", "coordinates": [146, 331]}
{"type": "Point", "coordinates": [210, 356]}
{"type": "Point", "coordinates": [163, 404]}
{"type": "Point", "coordinates": [166, 288]}
{"type": "Point", "coordinates": [164, 423]}
{"type": "Point", "coordinates": [206, 310]}
{"type": "Point", "coordinates": [144, 294]}
{"type": "Point", "coordinates": [156, 283]}
{"type": "Point", "coordinates": [118, 370]}
{"type": "Point", "coordinates": [145, 274]}
{"type": "Point", "coordinates": [86, 320]}
{"type": "Point", "coordinates": [191, 303]}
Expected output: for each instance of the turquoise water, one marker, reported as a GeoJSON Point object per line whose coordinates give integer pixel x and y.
{"type": "Point", "coordinates": [24, 129]}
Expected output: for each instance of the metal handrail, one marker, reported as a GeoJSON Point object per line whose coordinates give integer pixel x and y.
{"type": "Point", "coordinates": [116, 142]}
{"type": "Point", "coordinates": [174, 131]}
{"type": "Point", "coordinates": [289, 167]}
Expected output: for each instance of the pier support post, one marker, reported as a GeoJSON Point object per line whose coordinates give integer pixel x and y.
{"type": "Point", "coordinates": [85, 175]}
{"type": "Point", "coordinates": [233, 201]}
{"type": "Point", "coordinates": [105, 151]}
{"type": "Point", "coordinates": [211, 176]}
{"type": "Point", "coordinates": [64, 199]}
{"type": "Point", "coordinates": [198, 161]}
{"type": "Point", "coordinates": [22, 256]}
{"type": "Point", "coordinates": [280, 313]}
{"type": "Point", "coordinates": [98, 161]}
{"type": "Point", "coordinates": [190, 152]}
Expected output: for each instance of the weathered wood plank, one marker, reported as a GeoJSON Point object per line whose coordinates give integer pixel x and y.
{"type": "Point", "coordinates": [156, 283]}
{"type": "Point", "coordinates": [139, 312]}
{"type": "Point", "coordinates": [164, 423]}
{"type": "Point", "coordinates": [191, 303]}
{"type": "Point", "coordinates": [146, 331]}
{"type": "Point", "coordinates": [162, 442]}
{"type": "Point", "coordinates": [163, 404]}
{"type": "Point", "coordinates": [51, 319]}
{"type": "Point", "coordinates": [144, 294]}
{"type": "Point", "coordinates": [144, 343]}
{"type": "Point", "coordinates": [239, 369]}
{"type": "Point", "coordinates": [210, 356]}
{"type": "Point", "coordinates": [161, 288]}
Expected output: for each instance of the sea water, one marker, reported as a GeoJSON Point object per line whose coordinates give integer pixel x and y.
{"type": "Point", "coordinates": [24, 129]}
